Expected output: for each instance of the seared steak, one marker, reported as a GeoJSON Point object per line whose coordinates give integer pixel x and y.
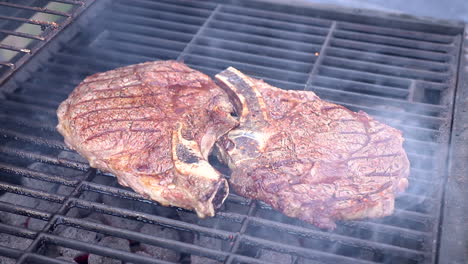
{"type": "Point", "coordinates": [152, 125]}
{"type": "Point", "coordinates": [309, 158]}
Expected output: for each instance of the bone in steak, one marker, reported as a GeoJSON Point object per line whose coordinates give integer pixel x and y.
{"type": "Point", "coordinates": [152, 125]}
{"type": "Point", "coordinates": [309, 158]}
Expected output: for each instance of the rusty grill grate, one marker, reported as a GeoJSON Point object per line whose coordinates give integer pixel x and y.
{"type": "Point", "coordinates": [400, 70]}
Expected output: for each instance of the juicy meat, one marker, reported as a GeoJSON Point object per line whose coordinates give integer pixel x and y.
{"type": "Point", "coordinates": [152, 125]}
{"type": "Point", "coordinates": [309, 158]}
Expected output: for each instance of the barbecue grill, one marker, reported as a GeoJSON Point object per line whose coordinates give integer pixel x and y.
{"type": "Point", "coordinates": [407, 72]}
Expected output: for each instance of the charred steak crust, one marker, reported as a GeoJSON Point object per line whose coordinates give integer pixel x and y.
{"type": "Point", "coordinates": [153, 126]}
{"type": "Point", "coordinates": [309, 158]}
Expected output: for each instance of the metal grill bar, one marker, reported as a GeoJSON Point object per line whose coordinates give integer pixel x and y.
{"type": "Point", "coordinates": [72, 2]}
{"type": "Point", "coordinates": [8, 64]}
{"type": "Point", "coordinates": [21, 210]}
{"type": "Point", "coordinates": [37, 175]}
{"type": "Point", "coordinates": [13, 48]}
{"type": "Point", "coordinates": [9, 252]}
{"type": "Point", "coordinates": [30, 21]}
{"type": "Point", "coordinates": [239, 235]}
{"type": "Point", "coordinates": [20, 34]}
{"type": "Point", "coordinates": [38, 9]}
{"type": "Point", "coordinates": [44, 158]}
{"type": "Point", "coordinates": [38, 259]}
{"type": "Point", "coordinates": [17, 231]}
{"type": "Point", "coordinates": [313, 73]}
{"type": "Point", "coordinates": [401, 33]}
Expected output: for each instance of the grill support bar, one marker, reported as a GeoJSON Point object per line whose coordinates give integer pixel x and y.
{"type": "Point", "coordinates": [318, 62]}
{"type": "Point", "coordinates": [199, 32]}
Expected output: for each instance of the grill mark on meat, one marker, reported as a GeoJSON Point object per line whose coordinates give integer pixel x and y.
{"type": "Point", "coordinates": [351, 133]}
{"type": "Point", "coordinates": [385, 140]}
{"type": "Point", "coordinates": [145, 130]}
{"type": "Point", "coordinates": [107, 132]}
{"type": "Point", "coordinates": [82, 115]}
{"type": "Point", "coordinates": [375, 156]}
{"type": "Point", "coordinates": [381, 189]}
{"type": "Point", "coordinates": [381, 174]}
{"type": "Point", "coordinates": [117, 97]}
{"type": "Point", "coordinates": [116, 120]}
{"type": "Point", "coordinates": [119, 88]}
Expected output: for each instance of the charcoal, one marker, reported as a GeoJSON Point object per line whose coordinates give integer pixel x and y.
{"type": "Point", "coordinates": [201, 240]}
{"type": "Point", "coordinates": [91, 196]}
{"type": "Point", "coordinates": [202, 260]}
{"type": "Point", "coordinates": [274, 257]}
{"type": "Point", "coordinates": [119, 222]}
{"type": "Point", "coordinates": [206, 242]}
{"type": "Point", "coordinates": [19, 220]}
{"type": "Point", "coordinates": [51, 170]}
{"type": "Point", "coordinates": [157, 252]}
{"type": "Point", "coordinates": [127, 203]}
{"type": "Point", "coordinates": [110, 242]}
{"type": "Point", "coordinates": [14, 241]}
{"type": "Point", "coordinates": [74, 234]}
{"type": "Point", "coordinates": [68, 259]}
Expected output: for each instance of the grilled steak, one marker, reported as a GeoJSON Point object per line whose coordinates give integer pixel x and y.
{"type": "Point", "coordinates": [152, 125]}
{"type": "Point", "coordinates": [309, 158]}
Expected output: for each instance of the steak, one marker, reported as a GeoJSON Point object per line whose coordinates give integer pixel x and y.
{"type": "Point", "coordinates": [309, 158]}
{"type": "Point", "coordinates": [153, 126]}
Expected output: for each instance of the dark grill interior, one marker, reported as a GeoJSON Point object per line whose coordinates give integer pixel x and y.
{"type": "Point", "coordinates": [399, 70]}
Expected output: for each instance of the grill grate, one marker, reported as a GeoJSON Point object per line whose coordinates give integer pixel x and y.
{"type": "Point", "coordinates": [399, 70]}
{"type": "Point", "coordinates": [27, 25]}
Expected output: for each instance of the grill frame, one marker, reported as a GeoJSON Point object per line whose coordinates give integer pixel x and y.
{"type": "Point", "coordinates": [41, 58]}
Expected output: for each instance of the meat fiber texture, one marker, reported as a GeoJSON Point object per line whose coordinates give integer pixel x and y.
{"type": "Point", "coordinates": [153, 126]}
{"type": "Point", "coordinates": [310, 158]}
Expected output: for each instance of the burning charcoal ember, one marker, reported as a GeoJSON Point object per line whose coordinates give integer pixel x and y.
{"type": "Point", "coordinates": [19, 220]}
{"type": "Point", "coordinates": [274, 257]}
{"type": "Point", "coordinates": [158, 252]}
{"type": "Point", "coordinates": [15, 199]}
{"type": "Point", "coordinates": [74, 234]}
{"type": "Point", "coordinates": [110, 242]}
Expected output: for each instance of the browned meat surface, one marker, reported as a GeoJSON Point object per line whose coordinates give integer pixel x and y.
{"type": "Point", "coordinates": [309, 158]}
{"type": "Point", "coordinates": [152, 125]}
